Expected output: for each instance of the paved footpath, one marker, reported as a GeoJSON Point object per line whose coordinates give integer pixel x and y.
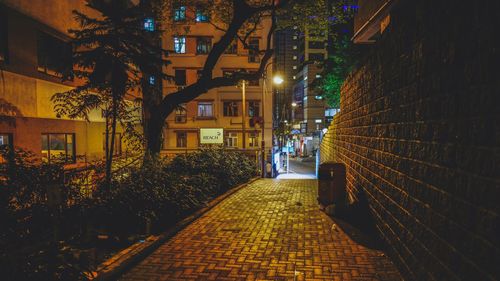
{"type": "Point", "coordinates": [270, 230]}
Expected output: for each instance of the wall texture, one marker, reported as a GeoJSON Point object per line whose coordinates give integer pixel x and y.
{"type": "Point", "coordinates": [419, 133]}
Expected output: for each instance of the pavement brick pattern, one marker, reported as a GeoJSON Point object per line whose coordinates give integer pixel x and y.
{"type": "Point", "coordinates": [270, 230]}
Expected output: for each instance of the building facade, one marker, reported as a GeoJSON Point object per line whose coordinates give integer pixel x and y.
{"type": "Point", "coordinates": [33, 45]}
{"type": "Point", "coordinates": [220, 108]}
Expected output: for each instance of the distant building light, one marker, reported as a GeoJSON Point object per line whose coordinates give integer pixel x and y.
{"type": "Point", "coordinates": [149, 24]}
{"type": "Point", "coordinates": [294, 57]}
{"type": "Point", "coordinates": [294, 67]}
{"type": "Point", "coordinates": [294, 47]}
{"type": "Point", "coordinates": [318, 97]}
{"type": "Point", "coordinates": [318, 76]}
{"type": "Point", "coordinates": [305, 77]}
{"type": "Point", "coordinates": [318, 121]}
{"type": "Point", "coordinates": [151, 80]}
{"type": "Point", "coordinates": [294, 77]}
{"type": "Point", "coordinates": [295, 37]}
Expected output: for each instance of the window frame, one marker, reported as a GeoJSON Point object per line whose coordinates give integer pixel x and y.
{"type": "Point", "coordinates": [179, 13]}
{"type": "Point", "coordinates": [253, 139]}
{"type": "Point", "coordinates": [73, 158]}
{"type": "Point", "coordinates": [232, 49]}
{"type": "Point", "coordinates": [251, 105]}
{"type": "Point", "coordinates": [230, 109]}
{"type": "Point", "coordinates": [181, 114]}
{"type": "Point", "coordinates": [205, 103]}
{"type": "Point", "coordinates": [181, 142]}
{"type": "Point", "coordinates": [10, 139]}
{"type": "Point", "coordinates": [179, 44]}
{"type": "Point", "coordinates": [200, 15]}
{"type": "Point", "coordinates": [203, 45]}
{"type": "Point", "coordinates": [148, 24]}
{"type": "Point", "coordinates": [253, 55]}
{"type": "Point", "coordinates": [233, 136]}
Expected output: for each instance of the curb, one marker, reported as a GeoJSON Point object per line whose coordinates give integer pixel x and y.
{"type": "Point", "coordinates": [115, 266]}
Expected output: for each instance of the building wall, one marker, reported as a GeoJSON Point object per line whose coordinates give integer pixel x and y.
{"type": "Point", "coordinates": [193, 62]}
{"type": "Point", "coordinates": [418, 131]}
{"type": "Point", "coordinates": [25, 92]}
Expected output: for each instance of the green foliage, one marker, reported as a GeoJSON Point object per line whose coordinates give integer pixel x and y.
{"type": "Point", "coordinates": [337, 68]}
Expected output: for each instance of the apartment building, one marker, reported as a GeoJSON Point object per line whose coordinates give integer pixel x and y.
{"type": "Point", "coordinates": [219, 108]}
{"type": "Point", "coordinates": [33, 46]}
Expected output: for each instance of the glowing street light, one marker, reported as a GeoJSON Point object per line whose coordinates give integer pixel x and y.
{"type": "Point", "coordinates": [294, 104]}
{"type": "Point", "coordinates": [278, 80]}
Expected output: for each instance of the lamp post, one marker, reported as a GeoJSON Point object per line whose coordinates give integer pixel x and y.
{"type": "Point", "coordinates": [277, 80]}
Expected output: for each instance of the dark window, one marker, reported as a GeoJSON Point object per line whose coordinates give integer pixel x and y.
{"type": "Point", "coordinates": [181, 139]}
{"type": "Point", "coordinates": [149, 24]}
{"type": "Point", "coordinates": [58, 148]}
{"type": "Point", "coordinates": [316, 45]}
{"type": "Point", "coordinates": [4, 46]}
{"type": "Point", "coordinates": [54, 55]}
{"type": "Point", "coordinates": [316, 57]}
{"type": "Point", "coordinates": [179, 13]}
{"type": "Point", "coordinates": [180, 77]}
{"type": "Point", "coordinates": [253, 108]}
{"type": "Point", "coordinates": [232, 48]}
{"type": "Point", "coordinates": [181, 114]}
{"type": "Point", "coordinates": [230, 108]}
{"type": "Point", "coordinates": [117, 150]}
{"type": "Point", "coordinates": [205, 109]}
{"type": "Point", "coordinates": [253, 50]}
{"type": "Point", "coordinates": [203, 45]}
{"type": "Point", "coordinates": [201, 15]}
{"type": "Point", "coordinates": [180, 44]}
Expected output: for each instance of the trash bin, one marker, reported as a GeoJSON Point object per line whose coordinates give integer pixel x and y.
{"type": "Point", "coordinates": [331, 184]}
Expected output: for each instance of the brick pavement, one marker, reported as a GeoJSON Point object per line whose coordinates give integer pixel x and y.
{"type": "Point", "coordinates": [270, 230]}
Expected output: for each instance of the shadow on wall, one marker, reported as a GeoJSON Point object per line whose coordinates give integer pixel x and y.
{"type": "Point", "coordinates": [357, 222]}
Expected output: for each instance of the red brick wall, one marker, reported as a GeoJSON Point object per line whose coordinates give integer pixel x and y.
{"type": "Point", "coordinates": [419, 133]}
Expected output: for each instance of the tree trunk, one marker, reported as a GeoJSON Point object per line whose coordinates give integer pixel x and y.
{"type": "Point", "coordinates": [109, 161]}
{"type": "Point", "coordinates": [153, 133]}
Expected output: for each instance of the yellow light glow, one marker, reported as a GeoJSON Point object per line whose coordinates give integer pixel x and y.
{"type": "Point", "coordinates": [277, 80]}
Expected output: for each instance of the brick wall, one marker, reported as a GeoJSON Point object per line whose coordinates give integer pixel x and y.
{"type": "Point", "coordinates": [419, 133]}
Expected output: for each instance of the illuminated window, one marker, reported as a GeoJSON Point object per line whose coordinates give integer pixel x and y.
{"type": "Point", "coordinates": [149, 24]}
{"type": "Point", "coordinates": [58, 148]}
{"type": "Point", "coordinates": [201, 15]}
{"type": "Point", "coordinates": [151, 80]}
{"type": "Point", "coordinates": [6, 139]}
{"type": "Point", "coordinates": [230, 108]}
{"type": "Point", "coordinates": [205, 109]}
{"type": "Point", "coordinates": [180, 44]}
{"type": "Point", "coordinates": [181, 139]}
{"type": "Point", "coordinates": [180, 13]}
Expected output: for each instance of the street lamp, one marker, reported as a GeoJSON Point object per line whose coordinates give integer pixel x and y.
{"type": "Point", "coordinates": [277, 80]}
